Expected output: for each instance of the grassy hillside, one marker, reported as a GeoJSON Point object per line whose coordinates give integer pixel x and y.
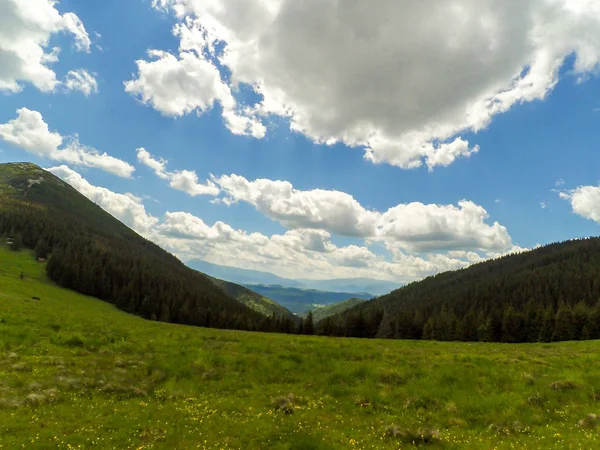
{"type": "Point", "coordinates": [253, 300]}
{"type": "Point", "coordinates": [76, 372]}
{"type": "Point", "coordinates": [329, 310]}
{"type": "Point", "coordinates": [301, 301]}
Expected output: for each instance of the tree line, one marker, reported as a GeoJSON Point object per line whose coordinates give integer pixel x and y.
{"type": "Point", "coordinates": [549, 294]}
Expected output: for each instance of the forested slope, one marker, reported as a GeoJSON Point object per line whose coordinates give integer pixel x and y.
{"type": "Point", "coordinates": [93, 253]}
{"type": "Point", "coordinates": [548, 294]}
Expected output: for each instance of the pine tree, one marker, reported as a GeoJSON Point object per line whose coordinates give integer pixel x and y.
{"type": "Point", "coordinates": [564, 325]}
{"type": "Point", "coordinates": [386, 329]}
{"type": "Point", "coordinates": [484, 331]}
{"type": "Point", "coordinates": [309, 327]}
{"type": "Point", "coordinates": [547, 328]}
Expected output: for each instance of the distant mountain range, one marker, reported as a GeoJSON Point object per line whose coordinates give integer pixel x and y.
{"type": "Point", "coordinates": [365, 286]}
{"type": "Point", "coordinates": [301, 301]}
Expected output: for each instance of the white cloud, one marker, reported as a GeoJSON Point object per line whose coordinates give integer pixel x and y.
{"type": "Point", "coordinates": [29, 132]}
{"type": "Point", "coordinates": [26, 28]}
{"type": "Point", "coordinates": [402, 80]}
{"type": "Point", "coordinates": [560, 182]}
{"type": "Point", "coordinates": [298, 253]}
{"type": "Point", "coordinates": [183, 180]}
{"type": "Point", "coordinates": [445, 154]}
{"type": "Point", "coordinates": [189, 82]}
{"type": "Point", "coordinates": [585, 201]}
{"type": "Point", "coordinates": [334, 211]}
{"type": "Point", "coordinates": [81, 80]}
{"type": "Point", "coordinates": [125, 207]}
{"type": "Point", "coordinates": [418, 228]}
{"type": "Point", "coordinates": [543, 205]}
{"type": "Point", "coordinates": [415, 227]}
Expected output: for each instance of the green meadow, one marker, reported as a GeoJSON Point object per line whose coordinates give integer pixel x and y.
{"type": "Point", "coordinates": [77, 373]}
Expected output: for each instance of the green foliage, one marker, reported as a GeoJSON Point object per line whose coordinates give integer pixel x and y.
{"type": "Point", "coordinates": [75, 371]}
{"type": "Point", "coordinates": [548, 294]}
{"type": "Point", "coordinates": [322, 312]}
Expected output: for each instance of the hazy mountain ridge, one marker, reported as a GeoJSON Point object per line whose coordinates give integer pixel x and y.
{"type": "Point", "coordinates": [301, 301]}
{"type": "Point", "coordinates": [249, 277]}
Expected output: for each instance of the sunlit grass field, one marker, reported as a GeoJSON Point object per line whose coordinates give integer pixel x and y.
{"type": "Point", "coordinates": [77, 373]}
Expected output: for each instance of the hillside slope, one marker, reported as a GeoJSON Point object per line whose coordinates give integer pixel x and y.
{"type": "Point", "coordinates": [75, 372]}
{"type": "Point", "coordinates": [254, 300]}
{"type": "Point", "coordinates": [95, 254]}
{"type": "Point", "coordinates": [323, 312]}
{"type": "Point", "coordinates": [548, 294]}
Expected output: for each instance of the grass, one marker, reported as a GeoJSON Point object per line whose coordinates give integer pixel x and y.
{"type": "Point", "coordinates": [77, 373]}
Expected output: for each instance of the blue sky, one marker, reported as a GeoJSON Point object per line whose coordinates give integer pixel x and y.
{"type": "Point", "coordinates": [365, 143]}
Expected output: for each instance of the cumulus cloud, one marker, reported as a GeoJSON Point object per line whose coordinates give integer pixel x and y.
{"type": "Point", "coordinates": [418, 227]}
{"type": "Point", "coordinates": [415, 227]}
{"type": "Point", "coordinates": [26, 28]}
{"type": "Point", "coordinates": [81, 80]}
{"type": "Point", "coordinates": [301, 252]}
{"type": "Point", "coordinates": [403, 80]}
{"type": "Point", "coordinates": [30, 133]}
{"type": "Point", "coordinates": [585, 201]}
{"type": "Point", "coordinates": [334, 211]}
{"type": "Point", "coordinates": [183, 180]}
{"type": "Point", "coordinates": [296, 253]}
{"type": "Point", "coordinates": [125, 207]}
{"type": "Point", "coordinates": [189, 82]}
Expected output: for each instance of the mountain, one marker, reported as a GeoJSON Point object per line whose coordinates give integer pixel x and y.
{"type": "Point", "coordinates": [241, 276]}
{"type": "Point", "coordinates": [353, 285]}
{"type": "Point", "coordinates": [323, 312]}
{"type": "Point", "coordinates": [257, 277]}
{"type": "Point", "coordinates": [93, 253]}
{"type": "Point", "coordinates": [301, 301]}
{"type": "Point", "coordinates": [254, 300]}
{"type": "Point", "coordinates": [548, 294]}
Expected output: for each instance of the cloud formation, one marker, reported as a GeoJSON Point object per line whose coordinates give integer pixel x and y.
{"type": "Point", "coordinates": [402, 80]}
{"type": "Point", "coordinates": [81, 80]}
{"type": "Point", "coordinates": [415, 227]}
{"type": "Point", "coordinates": [305, 253]}
{"type": "Point", "coordinates": [585, 201]}
{"type": "Point", "coordinates": [26, 28]}
{"type": "Point", "coordinates": [30, 133]}
{"type": "Point", "coordinates": [190, 82]}
{"type": "Point", "coordinates": [182, 180]}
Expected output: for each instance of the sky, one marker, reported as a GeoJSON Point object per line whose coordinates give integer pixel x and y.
{"type": "Point", "coordinates": [315, 139]}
